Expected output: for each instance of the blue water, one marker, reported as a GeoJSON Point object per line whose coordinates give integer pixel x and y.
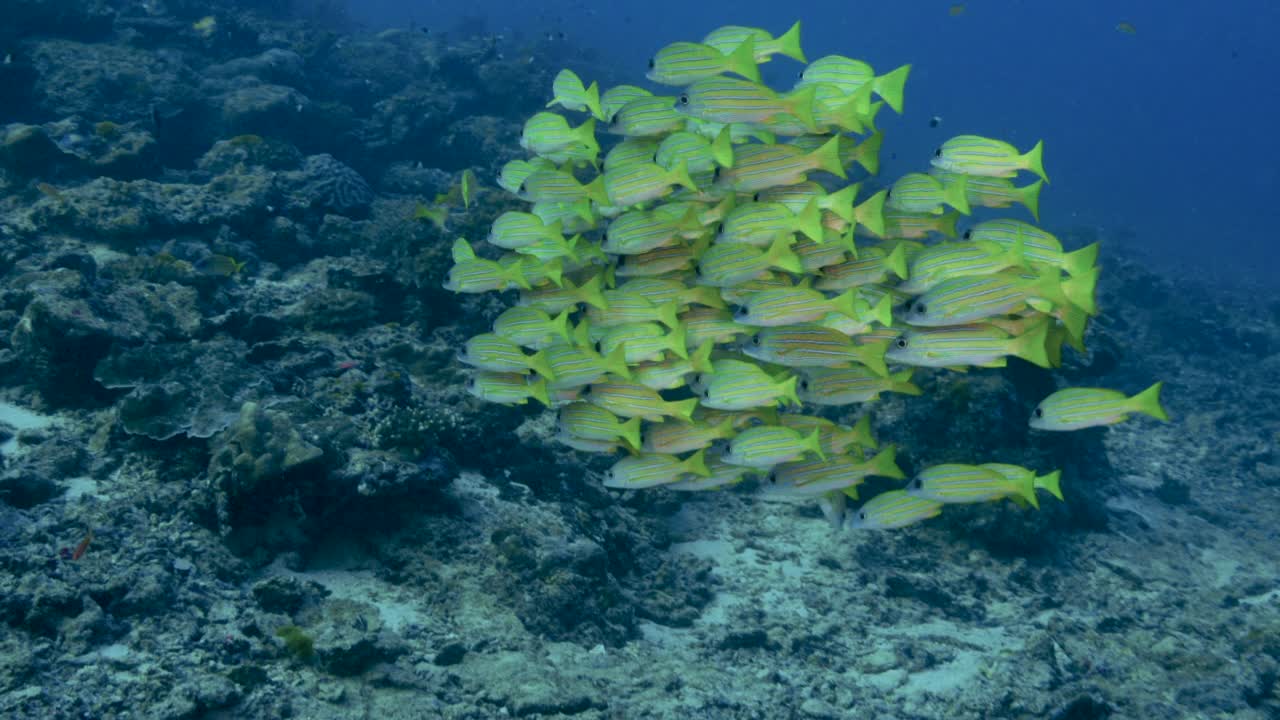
{"type": "Point", "coordinates": [1166, 138]}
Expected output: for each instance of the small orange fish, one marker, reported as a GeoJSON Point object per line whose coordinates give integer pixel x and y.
{"type": "Point", "coordinates": [83, 546]}
{"type": "Point", "coordinates": [1126, 28]}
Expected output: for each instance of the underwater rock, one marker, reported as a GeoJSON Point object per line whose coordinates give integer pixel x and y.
{"type": "Point", "coordinates": [406, 178]}
{"type": "Point", "coordinates": [262, 445]}
{"type": "Point", "coordinates": [66, 327]}
{"type": "Point", "coordinates": [350, 637]}
{"type": "Point", "coordinates": [88, 19]}
{"type": "Point", "coordinates": [247, 150]}
{"type": "Point", "coordinates": [276, 65]}
{"type": "Point", "coordinates": [324, 184]}
{"type": "Point", "coordinates": [75, 146]}
{"type": "Point", "coordinates": [36, 475]}
{"type": "Point", "coordinates": [287, 595]}
{"type": "Point", "coordinates": [261, 110]}
{"type": "Point", "coordinates": [109, 81]}
{"type": "Point", "coordinates": [127, 213]}
{"type": "Point", "coordinates": [192, 389]}
{"type": "Point", "coordinates": [28, 151]}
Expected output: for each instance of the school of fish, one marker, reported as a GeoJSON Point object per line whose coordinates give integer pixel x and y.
{"type": "Point", "coordinates": [696, 268]}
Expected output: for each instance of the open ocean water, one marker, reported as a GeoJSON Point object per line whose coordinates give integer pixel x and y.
{"type": "Point", "coordinates": [669, 360]}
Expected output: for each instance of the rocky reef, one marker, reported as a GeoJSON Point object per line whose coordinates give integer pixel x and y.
{"type": "Point", "coordinates": [242, 477]}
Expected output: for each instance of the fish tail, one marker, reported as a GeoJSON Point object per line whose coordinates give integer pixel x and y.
{"type": "Point", "coordinates": [871, 213]}
{"type": "Point", "coordinates": [800, 104]}
{"type": "Point", "coordinates": [700, 361]}
{"type": "Point", "coordinates": [592, 97]}
{"type": "Point", "coordinates": [582, 208]}
{"type": "Point", "coordinates": [586, 133]}
{"type": "Point", "coordinates": [1147, 402]}
{"type": "Point", "coordinates": [827, 157]}
{"type": "Point", "coordinates": [883, 311]}
{"type": "Point", "coordinates": [847, 117]}
{"type": "Point", "coordinates": [1051, 484]}
{"type": "Point", "coordinates": [706, 296]}
{"type": "Point", "coordinates": [861, 432]}
{"type": "Point", "coordinates": [1079, 262]}
{"type": "Point", "coordinates": [630, 432]}
{"type": "Point", "coordinates": [570, 247]}
{"type": "Point", "coordinates": [679, 175]}
{"type": "Point", "coordinates": [954, 194]}
{"type": "Point", "coordinates": [890, 86]}
{"type": "Point", "coordinates": [896, 261]}
{"type": "Point", "coordinates": [867, 154]}
{"type": "Point", "coordinates": [885, 463]}
{"type": "Point", "coordinates": [844, 303]}
{"type": "Point", "coordinates": [1081, 291]}
{"type": "Point", "coordinates": [781, 256]}
{"type": "Point", "coordinates": [789, 44]}
{"type": "Point", "coordinates": [697, 464]}
{"type": "Point", "coordinates": [538, 363]}
{"type": "Point", "coordinates": [591, 294]}
{"type": "Point", "coordinates": [947, 224]}
{"type": "Point", "coordinates": [840, 202]}
{"type": "Point", "coordinates": [1026, 489]}
{"type": "Point", "coordinates": [809, 221]}
{"type": "Point", "coordinates": [616, 361]}
{"type": "Point", "coordinates": [846, 242]}
{"type": "Point", "coordinates": [742, 60]}
{"type": "Point", "coordinates": [560, 326]}
{"type": "Point", "coordinates": [538, 391]}
{"type": "Point", "coordinates": [1032, 345]}
{"type": "Point", "coordinates": [902, 383]}
{"type": "Point", "coordinates": [595, 189]}
{"type": "Point", "coordinates": [1033, 160]}
{"type": "Point", "coordinates": [555, 270]}
{"type": "Point", "coordinates": [684, 408]}
{"type": "Point", "coordinates": [676, 342]}
{"type": "Point", "coordinates": [1074, 320]}
{"type": "Point", "coordinates": [787, 390]}
{"type": "Point", "coordinates": [813, 443]}
{"type": "Point", "coordinates": [667, 314]}
{"type": "Point", "coordinates": [722, 148]}
{"type": "Point", "coordinates": [872, 355]}
{"type": "Point", "coordinates": [462, 251]}
{"type": "Point", "coordinates": [514, 274]}
{"type": "Point", "coordinates": [1053, 344]}
{"type": "Point", "coordinates": [1030, 196]}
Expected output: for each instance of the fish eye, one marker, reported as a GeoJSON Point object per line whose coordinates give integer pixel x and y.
{"type": "Point", "coordinates": [917, 484]}
{"type": "Point", "coordinates": [604, 236]}
{"type": "Point", "coordinates": [937, 153]}
{"type": "Point", "coordinates": [800, 75]}
{"type": "Point", "coordinates": [599, 346]}
{"type": "Point", "coordinates": [804, 384]}
{"type": "Point", "coordinates": [902, 342]}
{"type": "Point", "coordinates": [968, 234]}
{"type": "Point", "coordinates": [755, 198]}
{"type": "Point", "coordinates": [650, 63]}
{"type": "Point", "coordinates": [471, 385]}
{"type": "Point", "coordinates": [715, 175]}
{"type": "Point", "coordinates": [586, 390]}
{"type": "Point", "coordinates": [1039, 413]}
{"type": "Point", "coordinates": [862, 515]}
{"type": "Point", "coordinates": [773, 478]}
{"type": "Point", "coordinates": [755, 340]}
{"type": "Point", "coordinates": [684, 98]}
{"type": "Point", "coordinates": [888, 193]}
{"type": "Point", "coordinates": [920, 308]}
